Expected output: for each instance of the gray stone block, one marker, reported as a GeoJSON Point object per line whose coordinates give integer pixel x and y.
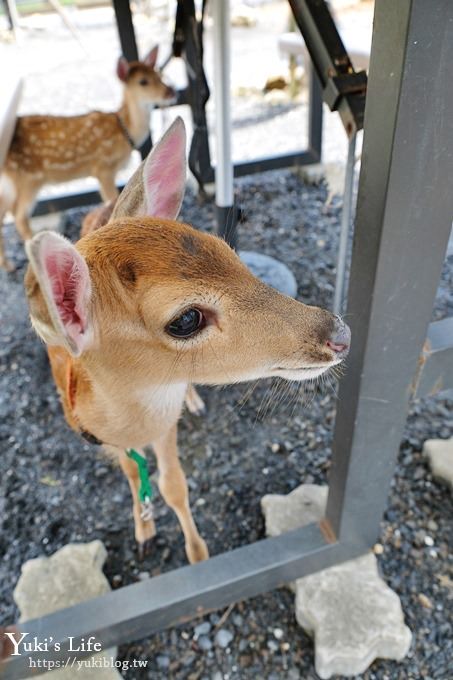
{"type": "Point", "coordinates": [354, 617]}
{"type": "Point", "coordinates": [305, 504]}
{"type": "Point", "coordinates": [69, 576]}
{"type": "Point", "coordinates": [352, 614]}
{"type": "Point", "coordinates": [270, 271]}
{"type": "Point", "coordinates": [440, 455]}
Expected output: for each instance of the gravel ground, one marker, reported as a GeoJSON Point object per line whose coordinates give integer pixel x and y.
{"type": "Point", "coordinates": [56, 488]}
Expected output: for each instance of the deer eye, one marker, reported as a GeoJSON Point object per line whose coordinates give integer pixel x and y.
{"type": "Point", "coordinates": [187, 324]}
{"type": "Point", "coordinates": [143, 81]}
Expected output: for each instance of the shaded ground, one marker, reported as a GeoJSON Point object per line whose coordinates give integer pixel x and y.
{"type": "Point", "coordinates": [55, 488]}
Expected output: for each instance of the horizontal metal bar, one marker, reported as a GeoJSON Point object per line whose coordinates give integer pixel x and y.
{"type": "Point", "coordinates": [137, 611]}
{"type": "Point", "coordinates": [276, 162]}
{"type": "Point", "coordinates": [76, 199]}
{"type": "Point", "coordinates": [435, 369]}
{"type": "Point", "coordinates": [80, 199]}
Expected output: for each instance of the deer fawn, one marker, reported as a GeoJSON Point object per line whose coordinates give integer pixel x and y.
{"type": "Point", "coordinates": [53, 149]}
{"type": "Point", "coordinates": [143, 307]}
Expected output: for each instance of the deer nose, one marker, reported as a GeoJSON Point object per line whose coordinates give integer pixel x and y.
{"type": "Point", "coordinates": [340, 338]}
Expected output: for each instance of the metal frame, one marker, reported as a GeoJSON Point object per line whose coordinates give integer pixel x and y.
{"type": "Point", "coordinates": [344, 89]}
{"type": "Point", "coordinates": [403, 224]}
{"type": "Point", "coordinates": [202, 166]}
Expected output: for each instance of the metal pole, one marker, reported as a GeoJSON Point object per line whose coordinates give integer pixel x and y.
{"type": "Point", "coordinates": [125, 28]}
{"type": "Point", "coordinates": [126, 33]}
{"type": "Point", "coordinates": [137, 611]}
{"type": "Point", "coordinates": [226, 216]}
{"type": "Point", "coordinates": [315, 114]}
{"type": "Point", "coordinates": [13, 16]}
{"type": "Point", "coordinates": [346, 214]}
{"type": "Point", "coordinates": [404, 214]}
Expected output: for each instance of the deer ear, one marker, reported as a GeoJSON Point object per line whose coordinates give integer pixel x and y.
{"type": "Point", "coordinates": [164, 173]}
{"type": "Point", "coordinates": [151, 57]}
{"type": "Point", "coordinates": [122, 69]}
{"type": "Point", "coordinates": [64, 280]}
{"type": "Point", "coordinates": [157, 186]}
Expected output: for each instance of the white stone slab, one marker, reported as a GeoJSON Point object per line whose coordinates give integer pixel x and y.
{"type": "Point", "coordinates": [440, 455]}
{"type": "Point", "coordinates": [69, 576]}
{"type": "Point", "coordinates": [350, 611]}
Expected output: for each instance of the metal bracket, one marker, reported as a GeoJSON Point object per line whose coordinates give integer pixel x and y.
{"type": "Point", "coordinates": [344, 89]}
{"type": "Point", "coordinates": [339, 86]}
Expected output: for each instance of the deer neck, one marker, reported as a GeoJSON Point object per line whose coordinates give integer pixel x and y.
{"type": "Point", "coordinates": [135, 116]}
{"type": "Point", "coordinates": [122, 410]}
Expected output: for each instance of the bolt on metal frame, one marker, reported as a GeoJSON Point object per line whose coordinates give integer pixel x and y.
{"type": "Point", "coordinates": [404, 215]}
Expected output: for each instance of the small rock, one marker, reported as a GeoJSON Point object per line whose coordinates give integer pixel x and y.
{"type": "Point", "coordinates": [238, 620]}
{"type": "Point", "coordinates": [293, 674]}
{"type": "Point", "coordinates": [204, 643]}
{"type": "Point", "coordinates": [378, 549]}
{"type": "Point", "coordinates": [272, 645]}
{"type": "Point", "coordinates": [223, 638]}
{"type": "Point", "coordinates": [163, 661]}
{"type": "Point", "coordinates": [278, 633]}
{"type": "Point", "coordinates": [201, 629]}
{"type": "Point", "coordinates": [425, 601]}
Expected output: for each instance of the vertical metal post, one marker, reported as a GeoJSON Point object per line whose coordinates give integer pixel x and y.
{"type": "Point", "coordinates": [346, 214]}
{"type": "Point", "coordinates": [226, 214]}
{"type": "Point", "coordinates": [404, 215]}
{"type": "Point", "coordinates": [125, 27]}
{"type": "Point", "coordinates": [189, 42]}
{"type": "Point", "coordinates": [315, 114]}
{"type": "Point", "coordinates": [128, 44]}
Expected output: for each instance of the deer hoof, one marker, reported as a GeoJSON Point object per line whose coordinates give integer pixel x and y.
{"type": "Point", "coordinates": [7, 266]}
{"type": "Point", "coordinates": [197, 552]}
{"type": "Point", "coordinates": [144, 549]}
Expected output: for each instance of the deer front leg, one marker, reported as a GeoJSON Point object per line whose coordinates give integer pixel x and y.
{"type": "Point", "coordinates": [4, 206]}
{"type": "Point", "coordinates": [194, 402]}
{"type": "Point", "coordinates": [173, 487]}
{"type": "Point", "coordinates": [23, 207]}
{"type": "Point", "coordinates": [109, 191]}
{"type": "Point", "coordinates": [144, 530]}
{"type": "Point", "coordinates": [4, 263]}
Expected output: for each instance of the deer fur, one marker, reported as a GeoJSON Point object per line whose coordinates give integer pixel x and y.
{"type": "Point", "coordinates": [55, 149]}
{"type": "Point", "coordinates": [106, 308]}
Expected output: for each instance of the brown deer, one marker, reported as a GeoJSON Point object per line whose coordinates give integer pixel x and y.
{"type": "Point", "coordinates": [143, 307]}
{"type": "Point", "coordinates": [54, 149]}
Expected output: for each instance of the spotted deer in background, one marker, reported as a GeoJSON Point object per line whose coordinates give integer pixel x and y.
{"type": "Point", "coordinates": [143, 307]}
{"type": "Point", "coordinates": [54, 149]}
